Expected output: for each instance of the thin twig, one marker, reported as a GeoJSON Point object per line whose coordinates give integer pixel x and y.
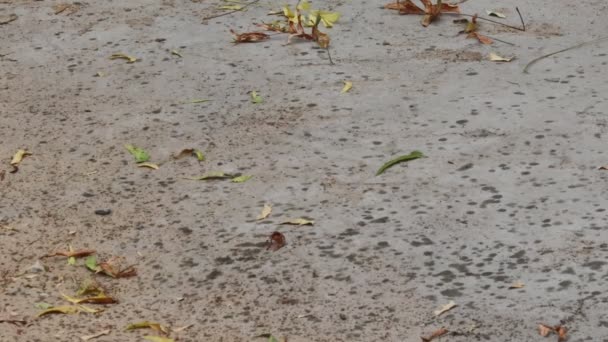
{"type": "Point", "coordinates": [238, 10]}
{"type": "Point", "coordinates": [502, 41]}
{"type": "Point", "coordinates": [521, 18]}
{"type": "Point", "coordinates": [532, 62]}
{"type": "Point", "coordinates": [329, 55]}
{"type": "Point", "coordinates": [486, 19]}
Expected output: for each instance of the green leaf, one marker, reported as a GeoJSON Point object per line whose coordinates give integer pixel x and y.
{"type": "Point", "coordinates": [91, 263]}
{"type": "Point", "coordinates": [42, 306]}
{"type": "Point", "coordinates": [199, 155]}
{"type": "Point", "coordinates": [241, 179]}
{"type": "Point", "coordinates": [255, 98]}
{"type": "Point", "coordinates": [71, 261]}
{"type": "Point", "coordinates": [139, 154]}
{"type": "Point", "coordinates": [272, 339]}
{"type": "Point", "coordinates": [232, 7]}
{"type": "Point", "coordinates": [408, 157]}
{"type": "Point", "coordinates": [211, 175]}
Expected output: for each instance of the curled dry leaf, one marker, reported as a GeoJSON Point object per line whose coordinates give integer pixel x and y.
{"type": "Point", "coordinates": [299, 222]}
{"type": "Point", "coordinates": [496, 58]}
{"type": "Point", "coordinates": [174, 52]}
{"type": "Point", "coordinates": [561, 333]}
{"type": "Point", "coordinates": [180, 329]}
{"type": "Point", "coordinates": [96, 335]}
{"type": "Point", "coordinates": [605, 167]}
{"type": "Point", "coordinates": [90, 286]}
{"type": "Point", "coordinates": [413, 155]}
{"type": "Point", "coordinates": [17, 158]}
{"type": "Point", "coordinates": [347, 87]}
{"type": "Point", "coordinates": [5, 19]}
{"type": "Point", "coordinates": [517, 285]}
{"type": "Point", "coordinates": [211, 175]}
{"type": "Point", "coordinates": [249, 37]}
{"type": "Point", "coordinates": [62, 309]}
{"type": "Point", "coordinates": [129, 59]}
{"type": "Point", "coordinates": [112, 268]}
{"type": "Point", "coordinates": [190, 152]}
{"type": "Point", "coordinates": [495, 14]}
{"type": "Point", "coordinates": [148, 165]}
{"type": "Point", "coordinates": [449, 306]}
{"type": "Point", "coordinates": [434, 335]}
{"type": "Point", "coordinates": [544, 330]}
{"type": "Point", "coordinates": [265, 212]}
{"type": "Point", "coordinates": [80, 253]}
{"type": "Point", "coordinates": [276, 241]}
{"type": "Point", "coordinates": [98, 299]}
{"type": "Point", "coordinates": [148, 325]}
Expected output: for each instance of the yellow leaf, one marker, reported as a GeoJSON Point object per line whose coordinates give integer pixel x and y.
{"type": "Point", "coordinates": [174, 52]}
{"type": "Point", "coordinates": [181, 328]}
{"type": "Point", "coordinates": [211, 175]}
{"type": "Point", "coordinates": [88, 309]}
{"type": "Point", "coordinates": [299, 222]}
{"type": "Point", "coordinates": [123, 56]}
{"type": "Point", "coordinates": [158, 339]}
{"type": "Point", "coordinates": [150, 165]}
{"type": "Point", "coordinates": [99, 334]}
{"type": "Point", "coordinates": [495, 14]}
{"type": "Point", "coordinates": [62, 309]}
{"type": "Point", "coordinates": [148, 325]}
{"type": "Point", "coordinates": [265, 212]}
{"type": "Point", "coordinates": [231, 7]}
{"type": "Point", "coordinates": [304, 5]}
{"type": "Point", "coordinates": [496, 58]}
{"type": "Point", "coordinates": [241, 179]}
{"type": "Point", "coordinates": [347, 86]}
{"type": "Point", "coordinates": [18, 157]}
{"type": "Point", "coordinates": [447, 307]}
{"type": "Point", "coordinates": [327, 18]}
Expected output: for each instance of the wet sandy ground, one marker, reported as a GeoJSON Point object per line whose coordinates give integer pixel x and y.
{"type": "Point", "coordinates": [509, 190]}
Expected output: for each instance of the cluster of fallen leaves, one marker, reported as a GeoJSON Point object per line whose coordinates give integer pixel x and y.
{"type": "Point", "coordinates": [277, 240]}
{"type": "Point", "coordinates": [294, 23]}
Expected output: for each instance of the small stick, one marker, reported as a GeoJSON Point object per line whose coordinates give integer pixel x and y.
{"type": "Point", "coordinates": [238, 10]}
{"type": "Point", "coordinates": [532, 62]}
{"type": "Point", "coordinates": [329, 55]}
{"type": "Point", "coordinates": [521, 18]}
{"type": "Point", "coordinates": [486, 19]}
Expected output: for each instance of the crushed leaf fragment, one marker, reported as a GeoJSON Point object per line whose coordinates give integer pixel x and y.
{"type": "Point", "coordinates": [148, 165]}
{"type": "Point", "coordinates": [517, 285]}
{"type": "Point", "coordinates": [174, 52]}
{"type": "Point", "coordinates": [299, 222]}
{"type": "Point", "coordinates": [276, 241]}
{"type": "Point", "coordinates": [249, 37]}
{"type": "Point", "coordinates": [255, 98]}
{"type": "Point", "coordinates": [129, 59]}
{"type": "Point", "coordinates": [241, 179]}
{"type": "Point", "coordinates": [434, 335]}
{"type": "Point", "coordinates": [492, 13]}
{"type": "Point", "coordinates": [17, 158]}
{"type": "Point", "coordinates": [447, 307]}
{"type": "Point", "coordinates": [96, 335]}
{"type": "Point", "coordinates": [347, 86]}
{"type": "Point", "coordinates": [211, 175]}
{"type": "Point", "coordinates": [265, 212]}
{"type": "Point", "coordinates": [496, 58]}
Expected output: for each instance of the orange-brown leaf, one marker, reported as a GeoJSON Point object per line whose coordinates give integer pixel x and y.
{"type": "Point", "coordinates": [405, 7]}
{"type": "Point", "coordinates": [112, 268]}
{"type": "Point", "coordinates": [449, 8]}
{"type": "Point", "coordinates": [561, 333]}
{"type": "Point", "coordinates": [249, 37]}
{"type": "Point", "coordinates": [73, 254]}
{"type": "Point", "coordinates": [544, 330]}
{"type": "Point", "coordinates": [276, 241]}
{"type": "Point", "coordinates": [434, 335]}
{"type": "Point", "coordinates": [482, 39]}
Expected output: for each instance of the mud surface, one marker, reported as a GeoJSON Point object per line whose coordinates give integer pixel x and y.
{"type": "Point", "coordinates": [509, 192]}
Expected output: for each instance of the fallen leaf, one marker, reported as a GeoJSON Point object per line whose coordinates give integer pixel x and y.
{"type": "Point", "coordinates": [65, 7]}
{"type": "Point", "coordinates": [241, 179]}
{"type": "Point", "coordinates": [276, 241]}
{"type": "Point", "coordinates": [517, 285]}
{"type": "Point", "coordinates": [561, 333]}
{"type": "Point", "coordinates": [272, 339]}
{"type": "Point", "coordinates": [431, 11]}
{"type": "Point", "coordinates": [438, 333]}
{"type": "Point", "coordinates": [496, 58]}
{"type": "Point", "coordinates": [198, 101]}
{"type": "Point", "coordinates": [231, 7]}
{"type": "Point", "coordinates": [99, 299]}
{"type": "Point", "coordinates": [249, 37]}
{"type": "Point", "coordinates": [471, 29]}
{"type": "Point", "coordinates": [603, 167]}
{"type": "Point", "coordinates": [90, 287]}
{"type": "Point", "coordinates": [91, 263]}
{"type": "Point", "coordinates": [63, 309]}
{"type": "Point", "coordinates": [87, 309]}
{"type": "Point", "coordinates": [99, 334]}
{"type": "Point", "coordinates": [148, 165]}
{"type": "Point", "coordinates": [174, 52]}
{"type": "Point", "coordinates": [447, 307]}
{"type": "Point", "coordinates": [211, 175]}
{"type": "Point", "coordinates": [5, 19]}
{"type": "Point", "coordinates": [180, 329]}
{"type": "Point", "coordinates": [327, 18]}
{"type": "Point", "coordinates": [299, 222]}
{"type": "Point", "coordinates": [139, 154]}
{"type": "Point", "coordinates": [18, 157]}
{"type": "Point", "coordinates": [158, 339]}
{"type": "Point", "coordinates": [148, 325]}
{"type": "Point", "coordinates": [14, 321]}
{"type": "Point", "coordinates": [544, 330]}
{"type": "Point", "coordinates": [100, 74]}
{"type": "Point", "coordinates": [123, 56]}
{"type": "Point", "coordinates": [255, 98]}
{"type": "Point", "coordinates": [347, 86]}
{"type": "Point", "coordinates": [495, 14]}
{"type": "Point", "coordinates": [112, 267]}
{"type": "Point", "coordinates": [413, 155]}
{"type": "Point", "coordinates": [190, 152]}
{"type": "Point", "coordinates": [265, 212]}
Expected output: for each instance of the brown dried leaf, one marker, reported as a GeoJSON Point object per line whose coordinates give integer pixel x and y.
{"type": "Point", "coordinates": [561, 333]}
{"type": "Point", "coordinates": [249, 37]}
{"type": "Point", "coordinates": [65, 7]}
{"type": "Point", "coordinates": [149, 325]}
{"type": "Point", "coordinates": [447, 307]}
{"type": "Point", "coordinates": [276, 241]}
{"type": "Point", "coordinates": [517, 285]}
{"type": "Point", "coordinates": [112, 268]}
{"type": "Point", "coordinates": [544, 330]}
{"type": "Point", "coordinates": [437, 333]}
{"type": "Point", "coordinates": [98, 299]}
{"type": "Point", "coordinates": [605, 167]}
{"type": "Point", "coordinates": [5, 19]}
{"type": "Point", "coordinates": [482, 39]}
{"type": "Point", "coordinates": [405, 7]}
